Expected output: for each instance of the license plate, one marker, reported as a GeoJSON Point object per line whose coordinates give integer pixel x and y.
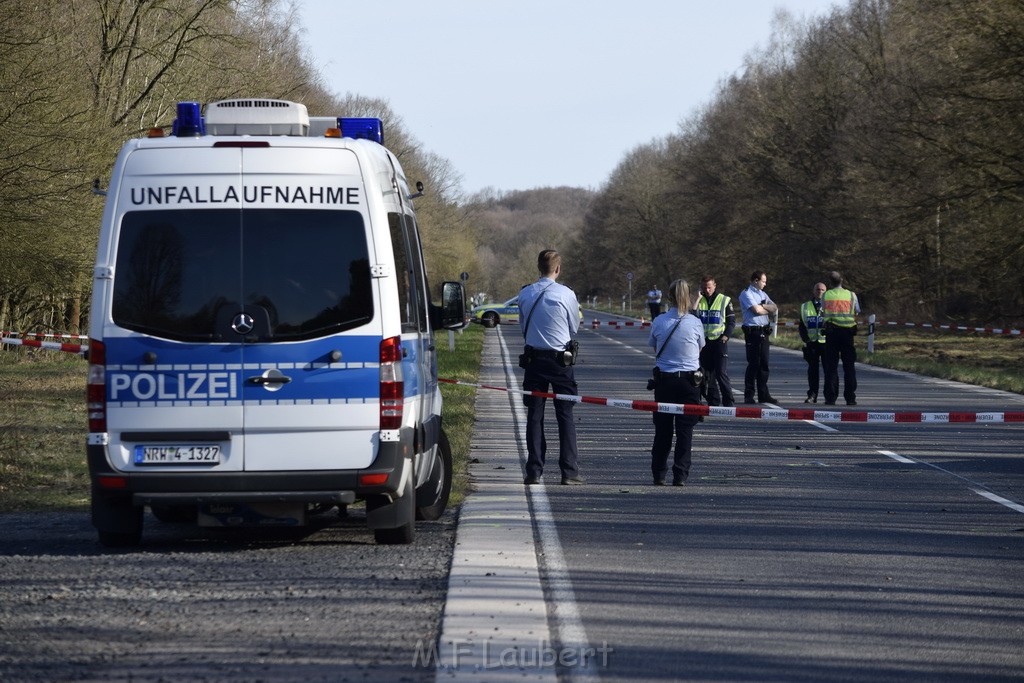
{"type": "Point", "coordinates": [178, 455]}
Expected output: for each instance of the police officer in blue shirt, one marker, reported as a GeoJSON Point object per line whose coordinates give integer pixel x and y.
{"type": "Point", "coordinates": [549, 319]}
{"type": "Point", "coordinates": [677, 337]}
{"type": "Point", "coordinates": [757, 307]}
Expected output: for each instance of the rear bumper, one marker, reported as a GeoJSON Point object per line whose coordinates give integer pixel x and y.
{"type": "Point", "coordinates": [312, 486]}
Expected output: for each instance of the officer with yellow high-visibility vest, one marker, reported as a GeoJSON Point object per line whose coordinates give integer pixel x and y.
{"type": "Point", "coordinates": [839, 314]}
{"type": "Point", "coordinates": [812, 332]}
{"type": "Point", "coordinates": [715, 310]}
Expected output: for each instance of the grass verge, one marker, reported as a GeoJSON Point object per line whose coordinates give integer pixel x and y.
{"type": "Point", "coordinates": [462, 363]}
{"type": "Point", "coordinates": [43, 422]}
{"type": "Point", "coordinates": [985, 360]}
{"type": "Point", "coordinates": [42, 431]}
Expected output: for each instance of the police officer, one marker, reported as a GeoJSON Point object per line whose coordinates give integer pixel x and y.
{"type": "Point", "coordinates": [715, 311]}
{"type": "Point", "coordinates": [677, 337]}
{"type": "Point", "coordinates": [757, 306]}
{"type": "Point", "coordinates": [839, 310]}
{"type": "Point", "coordinates": [812, 333]}
{"type": "Point", "coordinates": [549, 318]}
{"type": "Point", "coordinates": [654, 302]}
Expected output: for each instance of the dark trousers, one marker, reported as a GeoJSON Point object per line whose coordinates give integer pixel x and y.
{"type": "Point", "coordinates": [839, 346]}
{"type": "Point", "coordinates": [714, 358]}
{"type": "Point", "coordinates": [815, 357]}
{"type": "Point", "coordinates": [757, 364]}
{"type": "Point", "coordinates": [541, 374]}
{"type": "Point", "coordinates": [673, 390]}
{"type": "Point", "coordinates": [655, 309]}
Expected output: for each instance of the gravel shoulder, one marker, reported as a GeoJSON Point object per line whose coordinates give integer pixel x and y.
{"type": "Point", "coordinates": [219, 605]}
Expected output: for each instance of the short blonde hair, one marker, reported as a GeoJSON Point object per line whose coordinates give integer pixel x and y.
{"type": "Point", "coordinates": [679, 294]}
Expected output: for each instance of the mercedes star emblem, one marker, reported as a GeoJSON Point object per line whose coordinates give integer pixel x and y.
{"type": "Point", "coordinates": [243, 323]}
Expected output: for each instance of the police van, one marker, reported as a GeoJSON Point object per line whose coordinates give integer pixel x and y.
{"type": "Point", "coordinates": [261, 335]}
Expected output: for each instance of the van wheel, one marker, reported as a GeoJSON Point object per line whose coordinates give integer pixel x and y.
{"type": "Point", "coordinates": [438, 487]}
{"type": "Point", "coordinates": [490, 319]}
{"type": "Point", "coordinates": [403, 534]}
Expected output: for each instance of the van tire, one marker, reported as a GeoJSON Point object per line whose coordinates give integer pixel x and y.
{"type": "Point", "coordinates": [404, 533]}
{"type": "Point", "coordinates": [489, 319]}
{"type": "Point", "coordinates": [440, 482]}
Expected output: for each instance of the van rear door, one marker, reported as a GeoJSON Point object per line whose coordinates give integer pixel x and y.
{"type": "Point", "coordinates": [172, 376]}
{"type": "Point", "coordinates": [311, 379]}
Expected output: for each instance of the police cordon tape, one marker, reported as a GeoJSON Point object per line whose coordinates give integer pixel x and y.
{"type": "Point", "coordinates": [619, 324]}
{"type": "Point", "coordinates": [42, 335]}
{"type": "Point", "coordinates": [81, 349]}
{"type": "Point", "coordinates": [954, 327]}
{"type": "Point", "coordinates": [773, 414]}
{"type": "Point", "coordinates": [951, 327]}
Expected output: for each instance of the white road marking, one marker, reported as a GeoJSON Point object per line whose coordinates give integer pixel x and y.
{"type": "Point", "coordinates": [898, 458]}
{"type": "Point", "coordinates": [999, 499]}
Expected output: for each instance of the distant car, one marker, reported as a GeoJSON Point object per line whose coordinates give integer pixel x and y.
{"type": "Point", "coordinates": [492, 315]}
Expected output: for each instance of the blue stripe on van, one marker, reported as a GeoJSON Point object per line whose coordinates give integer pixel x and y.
{"type": "Point", "coordinates": [201, 373]}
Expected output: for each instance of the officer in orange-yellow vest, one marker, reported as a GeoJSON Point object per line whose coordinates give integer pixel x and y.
{"type": "Point", "coordinates": [715, 310]}
{"type": "Point", "coordinates": [813, 335]}
{"type": "Point", "coordinates": [839, 309]}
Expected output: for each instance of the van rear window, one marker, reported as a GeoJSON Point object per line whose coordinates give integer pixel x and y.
{"type": "Point", "coordinates": [294, 273]}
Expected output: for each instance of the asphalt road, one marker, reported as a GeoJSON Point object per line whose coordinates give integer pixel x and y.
{"type": "Point", "coordinates": [799, 551]}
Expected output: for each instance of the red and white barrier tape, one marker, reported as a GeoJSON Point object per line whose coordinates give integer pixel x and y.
{"type": "Point", "coordinates": [43, 335]}
{"type": "Point", "coordinates": [773, 414]}
{"type": "Point", "coordinates": [951, 327]}
{"type": "Point", "coordinates": [56, 346]}
{"type": "Point", "coordinates": [619, 324]}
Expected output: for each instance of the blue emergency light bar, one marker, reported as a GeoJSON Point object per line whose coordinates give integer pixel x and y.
{"type": "Point", "coordinates": [189, 122]}
{"type": "Point", "coordinates": [362, 129]}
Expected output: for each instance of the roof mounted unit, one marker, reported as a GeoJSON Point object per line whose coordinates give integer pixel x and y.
{"type": "Point", "coordinates": [256, 117]}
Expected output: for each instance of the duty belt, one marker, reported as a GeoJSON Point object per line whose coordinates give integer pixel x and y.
{"type": "Point", "coordinates": [679, 373]}
{"type": "Point", "coordinates": [541, 353]}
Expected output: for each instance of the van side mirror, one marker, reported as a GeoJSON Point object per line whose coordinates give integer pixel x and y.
{"type": "Point", "coordinates": [453, 306]}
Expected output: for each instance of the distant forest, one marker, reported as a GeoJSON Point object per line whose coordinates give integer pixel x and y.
{"type": "Point", "coordinates": [885, 140]}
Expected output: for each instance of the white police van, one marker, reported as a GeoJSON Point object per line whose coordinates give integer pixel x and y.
{"type": "Point", "coordinates": [261, 335]}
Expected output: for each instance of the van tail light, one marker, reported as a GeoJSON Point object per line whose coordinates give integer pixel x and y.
{"type": "Point", "coordinates": [392, 387]}
{"type": "Point", "coordinates": [96, 388]}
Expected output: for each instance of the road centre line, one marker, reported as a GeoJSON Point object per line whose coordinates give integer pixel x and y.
{"type": "Point", "coordinates": [898, 458]}
{"type": "Point", "coordinates": [999, 499]}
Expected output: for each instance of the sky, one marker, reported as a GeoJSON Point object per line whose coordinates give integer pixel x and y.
{"type": "Point", "coordinates": [538, 93]}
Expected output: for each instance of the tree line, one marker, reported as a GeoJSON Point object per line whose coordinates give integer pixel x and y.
{"type": "Point", "coordinates": [79, 77]}
{"type": "Point", "coordinates": [884, 140]}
